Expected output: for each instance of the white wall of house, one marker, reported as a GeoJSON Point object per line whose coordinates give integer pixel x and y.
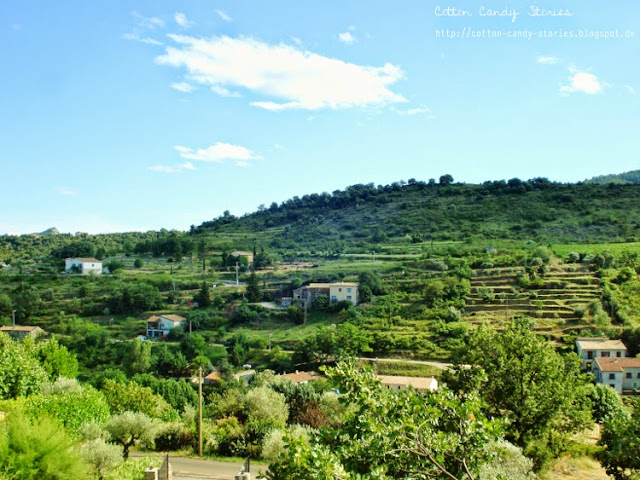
{"type": "Point", "coordinates": [86, 267]}
{"type": "Point", "coordinates": [610, 379]}
{"type": "Point", "coordinates": [631, 378]}
{"type": "Point", "coordinates": [162, 327]}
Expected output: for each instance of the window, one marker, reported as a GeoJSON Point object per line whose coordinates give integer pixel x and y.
{"type": "Point", "coordinates": [348, 290]}
{"type": "Point", "coordinates": [628, 374]}
{"type": "Point", "coordinates": [589, 354]}
{"type": "Point", "coordinates": [612, 386]}
{"type": "Point", "coordinates": [604, 354]}
{"type": "Point", "coordinates": [333, 298]}
{"type": "Point", "coordinates": [612, 376]}
{"type": "Point", "coordinates": [638, 374]}
{"type": "Point", "coordinates": [340, 289]}
{"type": "Point", "coordinates": [618, 354]}
{"type": "Point", "coordinates": [349, 297]}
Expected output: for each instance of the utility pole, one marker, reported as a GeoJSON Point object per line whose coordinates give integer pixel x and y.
{"type": "Point", "coordinates": [237, 269]}
{"type": "Point", "coordinates": [13, 314]}
{"type": "Point", "coordinates": [200, 411]}
{"type": "Point", "coordinates": [306, 303]}
{"type": "Point", "coordinates": [270, 335]}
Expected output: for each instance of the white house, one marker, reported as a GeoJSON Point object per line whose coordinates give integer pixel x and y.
{"type": "Point", "coordinates": [84, 266]}
{"type": "Point", "coordinates": [591, 348]}
{"type": "Point", "coordinates": [160, 326]}
{"type": "Point", "coordinates": [618, 373]}
{"type": "Point", "coordinates": [396, 382]}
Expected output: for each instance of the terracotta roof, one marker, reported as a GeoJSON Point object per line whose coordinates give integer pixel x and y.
{"type": "Point", "coordinates": [613, 364]}
{"type": "Point", "coordinates": [329, 285]}
{"type": "Point", "coordinates": [600, 344]}
{"type": "Point", "coordinates": [419, 383]}
{"type": "Point", "coordinates": [213, 377]}
{"type": "Point", "coordinates": [86, 260]}
{"type": "Point", "coordinates": [20, 328]}
{"type": "Point", "coordinates": [171, 317]}
{"type": "Point", "coordinates": [301, 377]}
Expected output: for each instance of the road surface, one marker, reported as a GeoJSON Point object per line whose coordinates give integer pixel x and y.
{"type": "Point", "coordinates": [185, 468]}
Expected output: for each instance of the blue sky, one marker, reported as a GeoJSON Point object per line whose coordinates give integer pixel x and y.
{"type": "Point", "coordinates": [140, 115]}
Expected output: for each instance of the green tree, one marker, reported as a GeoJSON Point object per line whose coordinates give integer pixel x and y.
{"type": "Point", "coordinates": [128, 428]}
{"type": "Point", "coordinates": [138, 263]}
{"type": "Point", "coordinates": [138, 359]}
{"type": "Point", "coordinates": [203, 297]}
{"type": "Point", "coordinates": [538, 391]}
{"type": "Point", "coordinates": [393, 434]}
{"type": "Point", "coordinates": [253, 288]}
{"type": "Point", "coordinates": [621, 455]}
{"type": "Point", "coordinates": [56, 359]}
{"type": "Point", "coordinates": [39, 449]}
{"type": "Point", "coordinates": [445, 180]}
{"type": "Point", "coordinates": [71, 408]}
{"type": "Point", "coordinates": [20, 372]}
{"type": "Point", "coordinates": [123, 397]}
{"type": "Point", "coordinates": [26, 302]}
{"type": "Point", "coordinates": [6, 307]}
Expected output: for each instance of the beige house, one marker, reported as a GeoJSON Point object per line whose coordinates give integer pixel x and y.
{"type": "Point", "coordinates": [621, 374]}
{"type": "Point", "coordinates": [337, 292]}
{"type": "Point", "coordinates": [591, 348]}
{"type": "Point", "coordinates": [160, 326]}
{"type": "Point", "coordinates": [19, 332]}
{"type": "Point", "coordinates": [396, 382]}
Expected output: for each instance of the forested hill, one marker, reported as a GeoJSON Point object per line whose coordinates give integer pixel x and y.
{"type": "Point", "coordinates": [624, 178]}
{"type": "Point", "coordinates": [420, 211]}
{"type": "Point", "coordinates": [360, 217]}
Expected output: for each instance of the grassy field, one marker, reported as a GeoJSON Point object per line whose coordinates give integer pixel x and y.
{"type": "Point", "coordinates": [564, 249]}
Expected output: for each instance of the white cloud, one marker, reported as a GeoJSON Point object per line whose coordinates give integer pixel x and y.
{"type": "Point", "coordinates": [347, 38]}
{"type": "Point", "coordinates": [172, 169]}
{"type": "Point", "coordinates": [224, 92]}
{"type": "Point", "coordinates": [296, 40]}
{"type": "Point", "coordinates": [183, 87]}
{"type": "Point", "coordinates": [630, 89]}
{"type": "Point", "coordinates": [218, 153]}
{"type": "Point", "coordinates": [65, 191]}
{"type": "Point", "coordinates": [418, 111]}
{"type": "Point", "coordinates": [548, 60]}
{"type": "Point", "coordinates": [181, 19]}
{"type": "Point", "coordinates": [137, 38]}
{"type": "Point", "coordinates": [147, 22]}
{"type": "Point", "coordinates": [289, 78]}
{"type": "Point", "coordinates": [223, 15]}
{"type": "Point", "coordinates": [582, 82]}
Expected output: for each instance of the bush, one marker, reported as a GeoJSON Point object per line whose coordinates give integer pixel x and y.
{"type": "Point", "coordinates": [173, 436]}
{"type": "Point", "coordinates": [37, 450]}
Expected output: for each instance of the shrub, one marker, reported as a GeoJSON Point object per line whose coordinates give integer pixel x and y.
{"type": "Point", "coordinates": [173, 436]}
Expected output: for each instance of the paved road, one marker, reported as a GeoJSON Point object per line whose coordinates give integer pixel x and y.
{"type": "Point", "coordinates": [196, 469]}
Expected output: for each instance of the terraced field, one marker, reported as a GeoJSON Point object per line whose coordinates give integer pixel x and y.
{"type": "Point", "coordinates": [496, 295]}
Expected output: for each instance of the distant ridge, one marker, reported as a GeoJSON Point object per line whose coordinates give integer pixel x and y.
{"type": "Point", "coordinates": [620, 178]}
{"type": "Point", "coordinates": [50, 231]}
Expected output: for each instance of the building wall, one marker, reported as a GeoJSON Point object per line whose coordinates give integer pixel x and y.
{"type": "Point", "coordinates": [634, 381]}
{"type": "Point", "coordinates": [610, 379]}
{"type": "Point", "coordinates": [87, 267]}
{"type": "Point", "coordinates": [341, 293]}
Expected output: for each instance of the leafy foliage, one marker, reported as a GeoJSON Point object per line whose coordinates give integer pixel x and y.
{"type": "Point", "coordinates": [393, 434]}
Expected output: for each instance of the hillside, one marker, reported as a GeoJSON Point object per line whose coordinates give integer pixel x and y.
{"type": "Point", "coordinates": [619, 178]}
{"type": "Point", "coordinates": [362, 216]}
